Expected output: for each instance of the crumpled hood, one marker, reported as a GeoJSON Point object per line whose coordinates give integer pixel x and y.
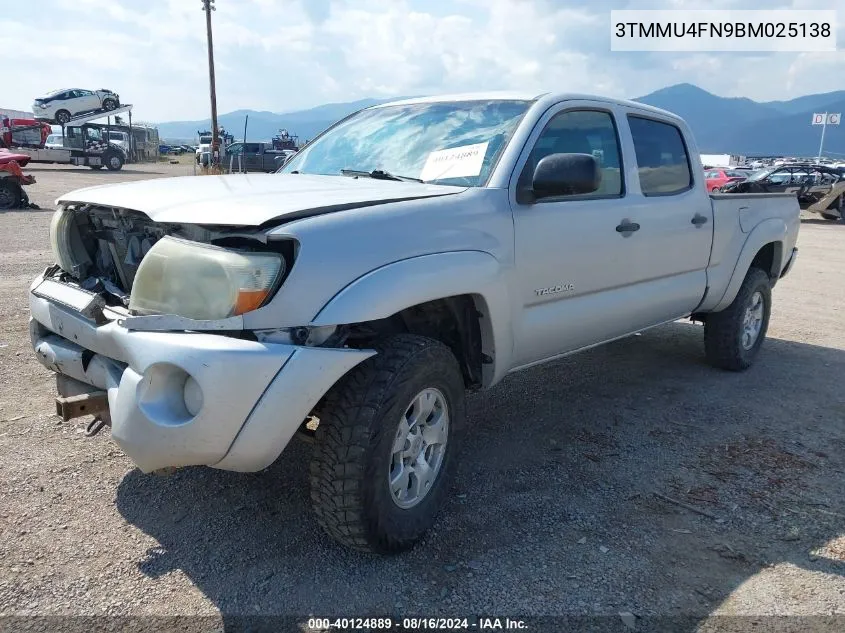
{"type": "Point", "coordinates": [250, 199]}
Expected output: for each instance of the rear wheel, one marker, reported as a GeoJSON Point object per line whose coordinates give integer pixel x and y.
{"type": "Point", "coordinates": [113, 160]}
{"type": "Point", "coordinates": [10, 194]}
{"type": "Point", "coordinates": [733, 336]}
{"type": "Point", "coordinates": [385, 445]}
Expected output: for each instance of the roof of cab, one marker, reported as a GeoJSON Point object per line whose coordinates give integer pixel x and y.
{"type": "Point", "coordinates": [549, 97]}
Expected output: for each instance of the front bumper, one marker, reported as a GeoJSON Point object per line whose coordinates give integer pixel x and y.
{"type": "Point", "coordinates": [253, 396]}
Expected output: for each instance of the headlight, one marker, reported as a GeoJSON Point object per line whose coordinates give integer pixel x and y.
{"type": "Point", "coordinates": [70, 254]}
{"type": "Point", "coordinates": [199, 281]}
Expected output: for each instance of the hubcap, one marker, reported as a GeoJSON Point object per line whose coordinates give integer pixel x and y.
{"type": "Point", "coordinates": [418, 448]}
{"type": "Point", "coordinates": [115, 162]}
{"type": "Point", "coordinates": [752, 322]}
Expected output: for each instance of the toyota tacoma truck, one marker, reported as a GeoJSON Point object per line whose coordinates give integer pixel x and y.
{"type": "Point", "coordinates": [413, 251]}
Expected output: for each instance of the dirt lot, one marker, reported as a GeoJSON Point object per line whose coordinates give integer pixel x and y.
{"type": "Point", "coordinates": [556, 508]}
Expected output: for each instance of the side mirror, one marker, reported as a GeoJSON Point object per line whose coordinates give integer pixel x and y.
{"type": "Point", "coordinates": [566, 175]}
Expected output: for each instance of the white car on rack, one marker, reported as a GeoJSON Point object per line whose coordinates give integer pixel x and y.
{"type": "Point", "coordinates": [61, 105]}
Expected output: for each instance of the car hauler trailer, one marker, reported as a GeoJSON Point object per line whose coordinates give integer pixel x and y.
{"type": "Point", "coordinates": [86, 144]}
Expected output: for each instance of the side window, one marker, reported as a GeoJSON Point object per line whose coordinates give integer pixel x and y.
{"type": "Point", "coordinates": [662, 160]}
{"type": "Point", "coordinates": [581, 132]}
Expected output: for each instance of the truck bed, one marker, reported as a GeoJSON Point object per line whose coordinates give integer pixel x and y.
{"type": "Point", "coordinates": [738, 218]}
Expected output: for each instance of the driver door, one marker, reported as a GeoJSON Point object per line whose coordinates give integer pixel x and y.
{"type": "Point", "coordinates": [575, 271]}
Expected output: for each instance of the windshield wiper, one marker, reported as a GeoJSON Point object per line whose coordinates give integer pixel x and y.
{"type": "Point", "coordinates": [378, 174]}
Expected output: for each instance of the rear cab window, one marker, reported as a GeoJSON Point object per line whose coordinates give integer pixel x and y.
{"type": "Point", "coordinates": [662, 159]}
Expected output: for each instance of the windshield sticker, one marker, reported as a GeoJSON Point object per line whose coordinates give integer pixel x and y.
{"type": "Point", "coordinates": [455, 162]}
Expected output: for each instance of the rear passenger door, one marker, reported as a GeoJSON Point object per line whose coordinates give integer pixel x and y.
{"type": "Point", "coordinates": [667, 200]}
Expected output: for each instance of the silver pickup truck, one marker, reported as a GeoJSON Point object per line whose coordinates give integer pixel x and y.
{"type": "Point", "coordinates": [413, 251]}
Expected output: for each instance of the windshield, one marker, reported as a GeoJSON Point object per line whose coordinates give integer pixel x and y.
{"type": "Point", "coordinates": [54, 138]}
{"type": "Point", "coordinates": [451, 143]}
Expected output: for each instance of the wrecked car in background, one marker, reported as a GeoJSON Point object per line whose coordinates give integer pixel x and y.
{"type": "Point", "coordinates": [820, 189]}
{"type": "Point", "coordinates": [61, 105]}
{"type": "Point", "coordinates": [13, 180]}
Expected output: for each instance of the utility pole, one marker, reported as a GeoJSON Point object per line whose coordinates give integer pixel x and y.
{"type": "Point", "coordinates": [214, 159]}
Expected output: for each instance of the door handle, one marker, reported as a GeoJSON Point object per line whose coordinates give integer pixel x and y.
{"type": "Point", "coordinates": [699, 219]}
{"type": "Point", "coordinates": [626, 226]}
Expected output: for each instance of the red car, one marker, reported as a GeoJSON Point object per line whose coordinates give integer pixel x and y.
{"type": "Point", "coordinates": [23, 132]}
{"type": "Point", "coordinates": [715, 178]}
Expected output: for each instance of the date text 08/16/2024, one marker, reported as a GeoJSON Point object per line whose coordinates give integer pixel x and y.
{"type": "Point", "coordinates": [416, 624]}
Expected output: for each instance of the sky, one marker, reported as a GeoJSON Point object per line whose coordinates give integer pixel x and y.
{"type": "Point", "coordinates": [287, 55]}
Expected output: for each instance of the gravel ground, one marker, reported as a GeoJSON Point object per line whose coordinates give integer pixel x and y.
{"type": "Point", "coordinates": [559, 506]}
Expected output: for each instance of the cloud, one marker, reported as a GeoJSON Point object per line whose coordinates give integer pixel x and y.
{"type": "Point", "coordinates": [282, 55]}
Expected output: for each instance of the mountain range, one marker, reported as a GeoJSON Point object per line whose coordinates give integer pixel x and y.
{"type": "Point", "coordinates": [722, 125]}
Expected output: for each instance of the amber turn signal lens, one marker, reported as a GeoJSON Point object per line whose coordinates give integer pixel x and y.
{"type": "Point", "coordinates": [249, 300]}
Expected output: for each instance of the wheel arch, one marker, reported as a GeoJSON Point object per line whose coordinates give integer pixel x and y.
{"type": "Point", "coordinates": [764, 248]}
{"type": "Point", "coordinates": [462, 290]}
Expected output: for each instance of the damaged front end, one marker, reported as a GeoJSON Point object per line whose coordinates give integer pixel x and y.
{"type": "Point", "coordinates": [100, 252]}
{"type": "Point", "coordinates": [196, 272]}
{"type": "Point", "coordinates": [143, 323]}
{"type": "Point", "coordinates": [102, 248]}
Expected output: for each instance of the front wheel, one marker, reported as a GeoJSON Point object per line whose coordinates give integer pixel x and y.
{"type": "Point", "coordinates": [62, 117]}
{"type": "Point", "coordinates": [385, 445]}
{"type": "Point", "coordinates": [733, 336]}
{"type": "Point", "coordinates": [109, 104]}
{"type": "Point", "coordinates": [11, 194]}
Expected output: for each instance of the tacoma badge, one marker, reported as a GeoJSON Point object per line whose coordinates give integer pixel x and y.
{"type": "Point", "coordinates": [555, 289]}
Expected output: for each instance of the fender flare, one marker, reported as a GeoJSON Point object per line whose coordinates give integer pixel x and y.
{"type": "Point", "coordinates": [769, 231]}
{"type": "Point", "coordinates": [385, 291]}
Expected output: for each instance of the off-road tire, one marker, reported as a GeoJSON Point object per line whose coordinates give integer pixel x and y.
{"type": "Point", "coordinates": [723, 330]}
{"type": "Point", "coordinates": [352, 446]}
{"type": "Point", "coordinates": [62, 117]}
{"type": "Point", "coordinates": [10, 194]}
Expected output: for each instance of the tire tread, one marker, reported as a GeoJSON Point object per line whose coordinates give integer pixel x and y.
{"type": "Point", "coordinates": [349, 429]}
{"type": "Point", "coordinates": [721, 343]}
